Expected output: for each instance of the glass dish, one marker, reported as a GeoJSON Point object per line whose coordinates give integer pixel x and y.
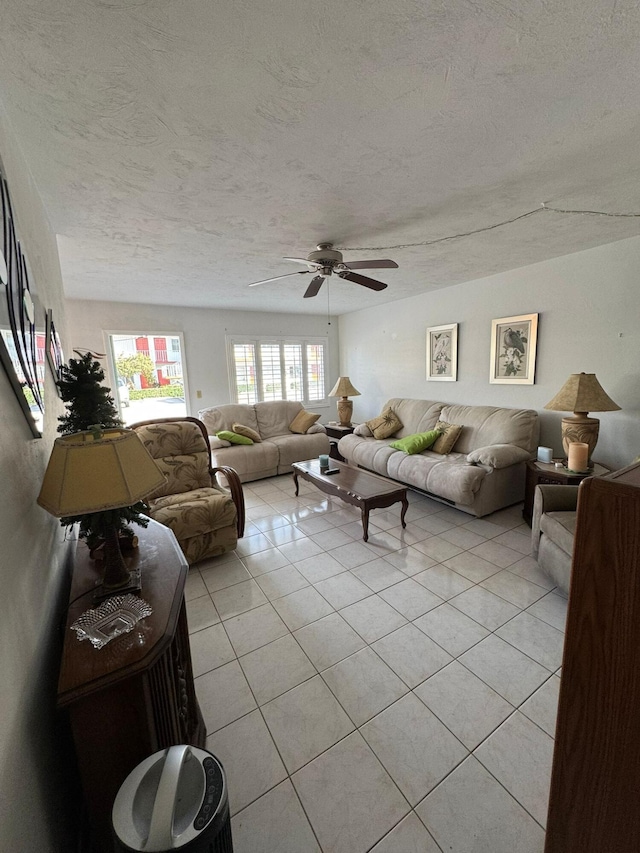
{"type": "Point", "coordinates": [115, 616]}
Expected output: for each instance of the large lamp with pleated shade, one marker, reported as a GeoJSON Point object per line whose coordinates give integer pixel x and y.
{"type": "Point", "coordinates": [96, 472]}
{"type": "Point", "coordinates": [344, 389]}
{"type": "Point", "coordinates": [581, 394]}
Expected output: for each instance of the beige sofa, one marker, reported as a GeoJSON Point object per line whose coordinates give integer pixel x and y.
{"type": "Point", "coordinates": [484, 472]}
{"type": "Point", "coordinates": [279, 446]}
{"type": "Point", "coordinates": [553, 526]}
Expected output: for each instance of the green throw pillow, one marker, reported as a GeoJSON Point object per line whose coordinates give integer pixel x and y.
{"type": "Point", "coordinates": [233, 437]}
{"type": "Point", "coordinates": [416, 443]}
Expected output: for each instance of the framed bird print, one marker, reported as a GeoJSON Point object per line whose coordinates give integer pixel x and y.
{"type": "Point", "coordinates": [513, 349]}
{"type": "Point", "coordinates": [442, 353]}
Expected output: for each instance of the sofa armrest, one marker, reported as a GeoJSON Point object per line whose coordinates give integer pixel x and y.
{"type": "Point", "coordinates": [498, 455]}
{"type": "Point", "coordinates": [316, 428]}
{"type": "Point", "coordinates": [216, 443]}
{"type": "Point", "coordinates": [363, 431]}
{"type": "Point", "coordinates": [549, 498]}
{"type": "Point", "coordinates": [237, 495]}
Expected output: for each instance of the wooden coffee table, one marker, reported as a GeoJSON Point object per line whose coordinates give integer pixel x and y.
{"type": "Point", "coordinates": [354, 486]}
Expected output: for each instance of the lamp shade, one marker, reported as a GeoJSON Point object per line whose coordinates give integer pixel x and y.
{"type": "Point", "coordinates": [582, 393]}
{"type": "Point", "coordinates": [91, 472]}
{"type": "Point", "coordinates": [344, 388]}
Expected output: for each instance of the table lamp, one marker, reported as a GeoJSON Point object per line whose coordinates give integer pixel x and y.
{"type": "Point", "coordinates": [342, 389]}
{"type": "Point", "coordinates": [581, 394]}
{"type": "Point", "coordinates": [96, 471]}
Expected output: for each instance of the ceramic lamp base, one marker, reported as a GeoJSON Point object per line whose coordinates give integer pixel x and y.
{"type": "Point", "coordinates": [345, 410]}
{"type": "Point", "coordinates": [582, 429]}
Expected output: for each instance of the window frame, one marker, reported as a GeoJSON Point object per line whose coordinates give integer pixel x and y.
{"type": "Point", "coordinates": [281, 341]}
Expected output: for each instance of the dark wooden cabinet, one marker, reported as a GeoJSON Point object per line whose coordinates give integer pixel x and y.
{"type": "Point", "coordinates": [136, 694]}
{"type": "Point", "coordinates": [593, 805]}
{"type": "Point", "coordinates": [335, 433]}
{"type": "Point", "coordinates": [546, 472]}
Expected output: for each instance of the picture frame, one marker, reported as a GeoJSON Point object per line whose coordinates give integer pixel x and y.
{"type": "Point", "coordinates": [513, 350]}
{"type": "Point", "coordinates": [442, 353]}
{"type": "Point", "coordinates": [53, 348]}
{"type": "Point", "coordinates": [22, 321]}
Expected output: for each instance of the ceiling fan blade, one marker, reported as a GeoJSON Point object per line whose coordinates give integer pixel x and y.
{"type": "Point", "coordinates": [304, 261]}
{"type": "Point", "coordinates": [314, 287]}
{"type": "Point", "coordinates": [363, 279]}
{"type": "Point", "coordinates": [275, 278]}
{"type": "Point", "coordinates": [383, 263]}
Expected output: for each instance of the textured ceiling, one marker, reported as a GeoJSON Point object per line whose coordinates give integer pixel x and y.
{"type": "Point", "coordinates": [183, 148]}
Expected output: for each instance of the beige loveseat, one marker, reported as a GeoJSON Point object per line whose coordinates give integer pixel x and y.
{"type": "Point", "coordinates": [279, 446]}
{"type": "Point", "coordinates": [485, 470]}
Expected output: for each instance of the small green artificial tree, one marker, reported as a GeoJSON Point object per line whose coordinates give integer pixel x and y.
{"type": "Point", "coordinates": [89, 401]}
{"type": "Point", "coordinates": [90, 405]}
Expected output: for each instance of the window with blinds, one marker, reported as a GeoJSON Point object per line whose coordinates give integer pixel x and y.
{"type": "Point", "coordinates": [266, 369]}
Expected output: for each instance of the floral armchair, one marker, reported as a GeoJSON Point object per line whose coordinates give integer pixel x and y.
{"type": "Point", "coordinates": [206, 519]}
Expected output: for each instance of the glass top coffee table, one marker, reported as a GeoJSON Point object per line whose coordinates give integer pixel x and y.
{"type": "Point", "coordinates": [354, 486]}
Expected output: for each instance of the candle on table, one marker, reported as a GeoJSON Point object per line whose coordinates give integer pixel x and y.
{"type": "Point", "coordinates": [578, 456]}
{"type": "Point", "coordinates": [324, 460]}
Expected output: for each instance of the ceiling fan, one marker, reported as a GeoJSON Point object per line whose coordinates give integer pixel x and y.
{"type": "Point", "coordinates": [325, 261]}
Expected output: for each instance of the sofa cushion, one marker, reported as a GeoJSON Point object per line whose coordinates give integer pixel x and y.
{"type": "Point", "coordinates": [216, 418]}
{"type": "Point", "coordinates": [295, 448]}
{"type": "Point", "coordinates": [412, 469]}
{"type": "Point", "coordinates": [251, 462]}
{"type": "Point", "coordinates": [273, 417]}
{"type": "Point", "coordinates": [181, 453]}
{"type": "Point", "coordinates": [560, 527]}
{"type": "Point", "coordinates": [416, 415]}
{"type": "Point", "coordinates": [194, 513]}
{"type": "Point", "coordinates": [385, 424]}
{"type": "Point", "coordinates": [416, 443]}
{"type": "Point", "coordinates": [449, 434]}
{"type": "Point", "coordinates": [253, 434]}
{"type": "Point", "coordinates": [485, 425]}
{"type": "Point", "coordinates": [368, 453]}
{"type": "Point", "coordinates": [454, 479]}
{"type": "Point", "coordinates": [302, 421]}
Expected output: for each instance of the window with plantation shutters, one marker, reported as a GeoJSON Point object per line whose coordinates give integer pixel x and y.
{"type": "Point", "coordinates": [244, 361]}
{"type": "Point", "coordinates": [269, 369]}
{"type": "Point", "coordinates": [294, 385]}
{"type": "Point", "coordinates": [315, 372]}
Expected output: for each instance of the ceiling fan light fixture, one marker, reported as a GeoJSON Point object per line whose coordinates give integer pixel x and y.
{"type": "Point", "coordinates": [327, 260]}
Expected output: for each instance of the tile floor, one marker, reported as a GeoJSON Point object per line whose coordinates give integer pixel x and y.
{"type": "Point", "coordinates": [395, 696]}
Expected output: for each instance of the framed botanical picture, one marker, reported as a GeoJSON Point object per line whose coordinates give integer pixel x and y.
{"type": "Point", "coordinates": [442, 353]}
{"type": "Point", "coordinates": [53, 347]}
{"type": "Point", "coordinates": [513, 349]}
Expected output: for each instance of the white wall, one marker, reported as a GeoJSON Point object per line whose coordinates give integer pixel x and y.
{"type": "Point", "coordinates": [589, 307]}
{"type": "Point", "coordinates": [35, 800]}
{"type": "Point", "coordinates": [204, 332]}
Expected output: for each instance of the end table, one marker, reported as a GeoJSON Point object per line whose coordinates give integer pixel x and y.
{"type": "Point", "coordinates": [335, 433]}
{"type": "Point", "coordinates": [546, 472]}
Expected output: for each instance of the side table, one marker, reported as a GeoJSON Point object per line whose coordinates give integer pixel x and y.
{"type": "Point", "coordinates": [136, 695]}
{"type": "Point", "coordinates": [335, 433]}
{"type": "Point", "coordinates": [546, 472]}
